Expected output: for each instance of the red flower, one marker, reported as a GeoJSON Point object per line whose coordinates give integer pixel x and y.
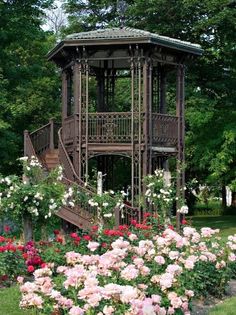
{"type": "Point", "coordinates": [25, 255]}
{"type": "Point", "coordinates": [6, 228]}
{"type": "Point", "coordinates": [43, 265]}
{"type": "Point", "coordinates": [30, 268]}
{"type": "Point", "coordinates": [104, 245]}
{"type": "Point", "coordinates": [56, 232]}
{"type": "Point", "coordinates": [59, 239]}
{"type": "Point", "coordinates": [2, 239]}
{"type": "Point", "coordinates": [20, 247]}
{"type": "Point", "coordinates": [171, 227]}
{"type": "Point", "coordinates": [133, 222]}
{"type": "Point", "coordinates": [184, 221]}
{"type": "Point", "coordinates": [87, 237]}
{"type": "Point", "coordinates": [147, 214]}
{"type": "Point", "coordinates": [94, 228]}
{"type": "Point", "coordinates": [73, 235]}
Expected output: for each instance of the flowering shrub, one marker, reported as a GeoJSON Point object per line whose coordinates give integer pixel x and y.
{"type": "Point", "coordinates": [39, 194]}
{"type": "Point", "coordinates": [105, 205]}
{"type": "Point", "coordinates": [160, 197]}
{"type": "Point", "coordinates": [156, 275]}
{"type": "Point", "coordinates": [11, 260]}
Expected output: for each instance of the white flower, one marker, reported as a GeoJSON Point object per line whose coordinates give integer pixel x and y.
{"type": "Point", "coordinates": [26, 198]}
{"type": "Point", "coordinates": [148, 192]}
{"type": "Point", "coordinates": [105, 204]}
{"type": "Point", "coordinates": [7, 180]}
{"type": "Point", "coordinates": [38, 196]}
{"type": "Point", "coordinates": [107, 215]}
{"type": "Point", "coordinates": [23, 158]}
{"type": "Point", "coordinates": [71, 203]}
{"type": "Point", "coordinates": [183, 210]}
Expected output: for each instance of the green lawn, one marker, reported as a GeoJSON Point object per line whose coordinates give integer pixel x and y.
{"type": "Point", "coordinates": [9, 302]}
{"type": "Point", "coordinates": [228, 307]}
{"type": "Point", "coordinates": [226, 224]}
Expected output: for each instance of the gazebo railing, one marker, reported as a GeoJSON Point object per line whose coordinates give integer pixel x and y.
{"type": "Point", "coordinates": [113, 127]}
{"type": "Point", "coordinates": [121, 127]}
{"type": "Point", "coordinates": [164, 129]}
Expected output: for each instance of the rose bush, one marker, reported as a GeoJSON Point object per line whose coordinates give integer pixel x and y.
{"type": "Point", "coordinates": [132, 273]}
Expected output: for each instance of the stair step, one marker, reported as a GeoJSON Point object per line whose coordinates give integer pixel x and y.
{"type": "Point", "coordinates": [72, 216]}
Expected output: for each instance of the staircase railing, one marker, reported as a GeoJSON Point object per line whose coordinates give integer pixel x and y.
{"type": "Point", "coordinates": [45, 137]}
{"type": "Point", "coordinates": [28, 146]}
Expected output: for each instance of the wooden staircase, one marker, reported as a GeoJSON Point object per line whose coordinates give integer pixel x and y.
{"type": "Point", "coordinates": [51, 159]}
{"type": "Point", "coordinates": [46, 143]}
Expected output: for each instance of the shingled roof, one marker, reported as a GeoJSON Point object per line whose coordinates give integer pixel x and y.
{"type": "Point", "coordinates": [126, 34]}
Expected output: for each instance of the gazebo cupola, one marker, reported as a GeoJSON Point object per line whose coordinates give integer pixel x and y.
{"type": "Point", "coordinates": [115, 103]}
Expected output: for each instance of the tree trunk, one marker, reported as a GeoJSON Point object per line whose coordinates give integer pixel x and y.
{"type": "Point", "coordinates": [223, 192]}
{"type": "Point", "coordinates": [233, 199]}
{"type": "Point", "coordinates": [27, 227]}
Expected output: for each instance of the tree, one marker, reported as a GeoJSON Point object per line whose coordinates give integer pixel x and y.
{"type": "Point", "coordinates": [29, 84]}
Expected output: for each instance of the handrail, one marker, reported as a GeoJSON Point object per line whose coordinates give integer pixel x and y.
{"type": "Point", "coordinates": [65, 159]}
{"type": "Point", "coordinates": [41, 128]}
{"type": "Point", "coordinates": [28, 145]}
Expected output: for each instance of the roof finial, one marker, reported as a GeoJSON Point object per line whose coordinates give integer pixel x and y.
{"type": "Point", "coordinates": [121, 9]}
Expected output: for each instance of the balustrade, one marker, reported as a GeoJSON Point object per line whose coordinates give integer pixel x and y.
{"type": "Point", "coordinates": [164, 129]}
{"type": "Point", "coordinates": [117, 127]}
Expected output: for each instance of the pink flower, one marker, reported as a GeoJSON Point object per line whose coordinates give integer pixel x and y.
{"type": "Point", "coordinates": [128, 294]}
{"type": "Point", "coordinates": [20, 279]}
{"type": "Point", "coordinates": [129, 273]}
{"type": "Point", "coordinates": [159, 260]}
{"type": "Point", "coordinates": [76, 310]}
{"type": "Point", "coordinates": [108, 310]}
{"type": "Point", "coordinates": [166, 280]}
{"type": "Point", "coordinates": [93, 246]}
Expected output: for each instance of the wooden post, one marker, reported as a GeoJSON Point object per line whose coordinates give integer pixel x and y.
{"type": "Point", "coordinates": [181, 131]}
{"type": "Point", "coordinates": [26, 135]}
{"type": "Point", "coordinates": [162, 90]}
{"type": "Point", "coordinates": [51, 143]}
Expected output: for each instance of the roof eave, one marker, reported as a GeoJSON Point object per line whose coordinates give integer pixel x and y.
{"type": "Point", "coordinates": [142, 40]}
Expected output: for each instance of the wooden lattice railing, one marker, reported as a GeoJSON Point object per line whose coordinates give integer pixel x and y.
{"type": "Point", "coordinates": [121, 127]}
{"type": "Point", "coordinates": [164, 129]}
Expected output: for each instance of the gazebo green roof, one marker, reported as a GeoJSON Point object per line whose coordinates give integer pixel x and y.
{"type": "Point", "coordinates": [126, 35]}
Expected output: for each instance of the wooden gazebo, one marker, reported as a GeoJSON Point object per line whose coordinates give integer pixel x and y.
{"type": "Point", "coordinates": [96, 126]}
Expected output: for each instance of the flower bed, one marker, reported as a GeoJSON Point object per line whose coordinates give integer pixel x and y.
{"type": "Point", "coordinates": [131, 271]}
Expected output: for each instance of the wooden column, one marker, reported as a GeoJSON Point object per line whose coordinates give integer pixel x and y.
{"type": "Point", "coordinates": [162, 76]}
{"type": "Point", "coordinates": [76, 92]}
{"type": "Point", "coordinates": [181, 132]}
{"type": "Point", "coordinates": [64, 95]}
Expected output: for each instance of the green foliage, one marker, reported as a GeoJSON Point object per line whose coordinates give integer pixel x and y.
{"type": "Point", "coordinates": [29, 85]}
{"type": "Point", "coordinates": [39, 195]}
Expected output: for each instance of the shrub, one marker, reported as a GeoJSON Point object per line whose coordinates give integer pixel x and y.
{"type": "Point", "coordinates": [137, 272]}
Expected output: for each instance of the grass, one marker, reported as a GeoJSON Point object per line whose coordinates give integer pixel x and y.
{"type": "Point", "coordinates": [228, 307]}
{"type": "Point", "coordinates": [226, 224]}
{"type": "Point", "coordinates": [9, 302]}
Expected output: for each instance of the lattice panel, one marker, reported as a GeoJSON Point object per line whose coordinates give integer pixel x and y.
{"type": "Point", "coordinates": [164, 129]}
